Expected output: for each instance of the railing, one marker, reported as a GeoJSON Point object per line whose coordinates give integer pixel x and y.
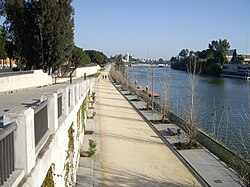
{"type": "Point", "coordinates": [75, 93]}
{"type": "Point", "coordinates": [59, 104]}
{"type": "Point", "coordinates": [69, 98]}
{"type": "Point", "coordinates": [7, 157]}
{"type": "Point", "coordinates": [41, 121]}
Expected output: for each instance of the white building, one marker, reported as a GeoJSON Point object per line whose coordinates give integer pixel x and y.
{"type": "Point", "coordinates": [126, 57]}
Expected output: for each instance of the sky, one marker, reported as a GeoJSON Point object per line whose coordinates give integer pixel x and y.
{"type": "Point", "coordinates": [160, 28]}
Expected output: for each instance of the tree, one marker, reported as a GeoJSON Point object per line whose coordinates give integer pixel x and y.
{"type": "Point", "coordinates": [161, 61]}
{"type": "Point", "coordinates": [193, 70]}
{"type": "Point", "coordinates": [219, 50]}
{"type": "Point", "coordinates": [42, 31]}
{"type": "Point", "coordinates": [96, 57]}
{"type": "Point", "coordinates": [164, 101]}
{"type": "Point", "coordinates": [78, 58]}
{"type": "Point", "coordinates": [3, 40]}
{"type": "Point", "coordinates": [184, 53]}
{"type": "Point", "coordinates": [119, 64]}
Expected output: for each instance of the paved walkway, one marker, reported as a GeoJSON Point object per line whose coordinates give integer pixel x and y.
{"type": "Point", "coordinates": [130, 153]}
{"type": "Point", "coordinates": [29, 97]}
{"type": "Point", "coordinates": [209, 167]}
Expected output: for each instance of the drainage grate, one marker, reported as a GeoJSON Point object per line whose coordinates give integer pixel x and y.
{"type": "Point", "coordinates": [217, 181]}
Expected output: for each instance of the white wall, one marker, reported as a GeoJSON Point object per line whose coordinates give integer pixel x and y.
{"type": "Point", "coordinates": [79, 72]}
{"type": "Point", "coordinates": [53, 150]}
{"type": "Point", "coordinates": [16, 82]}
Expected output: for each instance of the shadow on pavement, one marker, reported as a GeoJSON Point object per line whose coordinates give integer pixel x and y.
{"type": "Point", "coordinates": [118, 177]}
{"type": "Point", "coordinates": [122, 118]}
{"type": "Point", "coordinates": [33, 105]}
{"type": "Point", "coordinates": [129, 138]}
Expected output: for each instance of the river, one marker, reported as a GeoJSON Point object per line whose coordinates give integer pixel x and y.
{"type": "Point", "coordinates": [222, 104]}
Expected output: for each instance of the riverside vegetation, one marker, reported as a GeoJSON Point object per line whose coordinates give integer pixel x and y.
{"type": "Point", "coordinates": [210, 60]}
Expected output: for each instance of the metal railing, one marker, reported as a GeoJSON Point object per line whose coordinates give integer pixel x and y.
{"type": "Point", "coordinates": [69, 98]}
{"type": "Point", "coordinates": [75, 91]}
{"type": "Point", "coordinates": [59, 104]}
{"type": "Point", "coordinates": [7, 156]}
{"type": "Point", "coordinates": [41, 121]}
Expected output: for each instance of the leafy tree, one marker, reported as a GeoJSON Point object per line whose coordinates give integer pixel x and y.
{"type": "Point", "coordinates": [42, 31]}
{"type": "Point", "coordinates": [3, 40]}
{"type": "Point", "coordinates": [161, 61]}
{"type": "Point", "coordinates": [219, 50]}
{"type": "Point", "coordinates": [119, 64]}
{"type": "Point", "coordinates": [210, 60]}
{"type": "Point", "coordinates": [78, 58]}
{"type": "Point", "coordinates": [184, 53]}
{"type": "Point", "coordinates": [96, 57]}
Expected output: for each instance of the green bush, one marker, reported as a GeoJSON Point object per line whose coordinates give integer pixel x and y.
{"type": "Point", "coordinates": [92, 148]}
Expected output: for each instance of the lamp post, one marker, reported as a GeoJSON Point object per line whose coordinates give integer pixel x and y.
{"type": "Point", "coordinates": [152, 95]}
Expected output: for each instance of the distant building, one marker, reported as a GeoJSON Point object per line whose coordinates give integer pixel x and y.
{"type": "Point", "coordinates": [7, 63]}
{"type": "Point", "coordinates": [126, 57]}
{"type": "Point", "coordinates": [246, 58]}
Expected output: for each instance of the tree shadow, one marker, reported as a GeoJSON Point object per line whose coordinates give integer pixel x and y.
{"type": "Point", "coordinates": [131, 138]}
{"type": "Point", "coordinates": [107, 92]}
{"type": "Point", "coordinates": [111, 98]}
{"type": "Point", "coordinates": [123, 112]}
{"type": "Point", "coordinates": [122, 118]}
{"type": "Point", "coordinates": [116, 106]}
{"type": "Point", "coordinates": [117, 177]}
{"type": "Point", "coordinates": [32, 104]}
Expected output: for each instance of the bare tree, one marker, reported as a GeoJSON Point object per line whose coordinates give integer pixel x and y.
{"type": "Point", "coordinates": [164, 102]}
{"type": "Point", "coordinates": [193, 69]}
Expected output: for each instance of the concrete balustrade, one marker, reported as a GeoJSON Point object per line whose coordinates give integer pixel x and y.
{"type": "Point", "coordinates": [52, 110]}
{"type": "Point", "coordinates": [34, 162]}
{"type": "Point", "coordinates": [24, 137]}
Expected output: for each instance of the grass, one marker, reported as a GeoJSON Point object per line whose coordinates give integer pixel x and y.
{"type": "Point", "coordinates": [184, 146]}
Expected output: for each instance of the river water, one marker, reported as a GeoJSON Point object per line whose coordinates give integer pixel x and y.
{"type": "Point", "coordinates": [222, 104]}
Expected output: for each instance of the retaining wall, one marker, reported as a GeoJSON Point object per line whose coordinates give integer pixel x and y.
{"type": "Point", "coordinates": [25, 79]}
{"type": "Point", "coordinates": [91, 70]}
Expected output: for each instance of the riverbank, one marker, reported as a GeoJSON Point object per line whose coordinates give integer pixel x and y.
{"type": "Point", "coordinates": [125, 143]}
{"type": "Point", "coordinates": [129, 152]}
{"type": "Point", "coordinates": [200, 161]}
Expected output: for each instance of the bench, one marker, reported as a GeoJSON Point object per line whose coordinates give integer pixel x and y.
{"type": "Point", "coordinates": [173, 131]}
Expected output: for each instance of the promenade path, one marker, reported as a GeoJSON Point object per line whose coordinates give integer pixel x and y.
{"type": "Point", "coordinates": [129, 152]}
{"type": "Point", "coordinates": [29, 97]}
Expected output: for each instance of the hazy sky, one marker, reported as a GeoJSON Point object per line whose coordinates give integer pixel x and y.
{"type": "Point", "coordinates": [160, 28]}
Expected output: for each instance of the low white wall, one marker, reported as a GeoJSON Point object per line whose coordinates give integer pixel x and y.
{"type": "Point", "coordinates": [79, 72]}
{"type": "Point", "coordinates": [35, 163]}
{"type": "Point", "coordinates": [21, 81]}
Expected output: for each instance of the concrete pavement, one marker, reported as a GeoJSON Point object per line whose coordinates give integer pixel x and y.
{"type": "Point", "coordinates": [26, 98]}
{"type": "Point", "coordinates": [130, 153]}
{"type": "Point", "coordinates": [214, 172]}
